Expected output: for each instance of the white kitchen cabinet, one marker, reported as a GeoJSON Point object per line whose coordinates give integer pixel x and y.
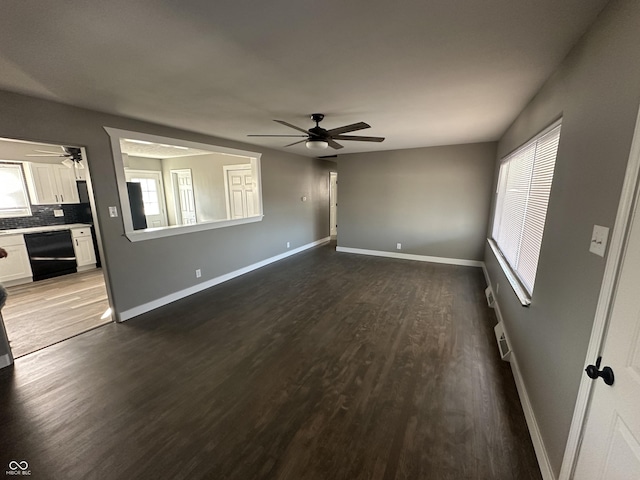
{"type": "Point", "coordinates": [83, 246]}
{"type": "Point", "coordinates": [51, 184]}
{"type": "Point", "coordinates": [80, 173]}
{"type": "Point", "coordinates": [15, 268]}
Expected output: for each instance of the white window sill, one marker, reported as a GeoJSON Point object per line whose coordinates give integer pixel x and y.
{"type": "Point", "coordinates": [519, 290]}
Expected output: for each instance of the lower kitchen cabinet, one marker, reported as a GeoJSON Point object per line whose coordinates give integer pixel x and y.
{"type": "Point", "coordinates": [83, 246]}
{"type": "Point", "coordinates": [15, 268]}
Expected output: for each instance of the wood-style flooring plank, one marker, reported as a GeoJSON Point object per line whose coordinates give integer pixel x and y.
{"type": "Point", "coordinates": [43, 313]}
{"type": "Point", "coordinates": [324, 365]}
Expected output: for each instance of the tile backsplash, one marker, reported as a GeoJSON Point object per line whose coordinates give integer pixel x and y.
{"type": "Point", "coordinates": [43, 215]}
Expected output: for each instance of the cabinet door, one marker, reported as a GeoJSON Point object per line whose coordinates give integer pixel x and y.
{"type": "Point", "coordinates": [66, 180]}
{"type": "Point", "coordinates": [81, 173]}
{"type": "Point", "coordinates": [42, 184]}
{"type": "Point", "coordinates": [16, 265]}
{"type": "Point", "coordinates": [85, 254]}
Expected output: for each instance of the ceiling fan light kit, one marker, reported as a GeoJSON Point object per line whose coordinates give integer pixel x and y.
{"type": "Point", "coordinates": [313, 144]}
{"type": "Point", "coordinates": [318, 138]}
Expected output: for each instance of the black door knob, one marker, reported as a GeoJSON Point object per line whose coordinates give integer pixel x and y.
{"type": "Point", "coordinates": [593, 371]}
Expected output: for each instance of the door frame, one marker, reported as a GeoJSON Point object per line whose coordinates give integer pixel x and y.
{"type": "Point", "coordinates": [162, 202]}
{"type": "Point", "coordinates": [629, 199]}
{"type": "Point", "coordinates": [333, 222]}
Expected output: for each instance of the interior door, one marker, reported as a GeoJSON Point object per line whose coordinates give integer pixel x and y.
{"type": "Point", "coordinates": [186, 204]}
{"type": "Point", "coordinates": [242, 200]}
{"type": "Point", "coordinates": [152, 195]}
{"type": "Point", "coordinates": [611, 443]}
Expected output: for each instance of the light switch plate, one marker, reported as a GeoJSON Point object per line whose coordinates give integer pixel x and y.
{"type": "Point", "coordinates": [58, 213]}
{"type": "Point", "coordinates": [599, 240]}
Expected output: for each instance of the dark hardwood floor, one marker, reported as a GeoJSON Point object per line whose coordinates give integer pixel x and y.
{"type": "Point", "coordinates": [322, 366]}
{"type": "Point", "coordinates": [39, 314]}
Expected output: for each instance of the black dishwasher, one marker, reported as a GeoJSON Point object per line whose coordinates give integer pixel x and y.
{"type": "Point", "coordinates": [51, 254]}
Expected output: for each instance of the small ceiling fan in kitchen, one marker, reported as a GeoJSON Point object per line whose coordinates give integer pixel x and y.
{"type": "Point", "coordinates": [72, 156]}
{"type": "Point", "coordinates": [317, 138]}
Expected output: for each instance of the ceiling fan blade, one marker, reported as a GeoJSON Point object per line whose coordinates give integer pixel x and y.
{"type": "Point", "coordinates": [282, 122]}
{"type": "Point", "coordinates": [277, 135]}
{"type": "Point", "coordinates": [43, 155]}
{"type": "Point", "coordinates": [360, 139]}
{"type": "Point", "coordinates": [348, 128]}
{"type": "Point", "coordinates": [333, 144]}
{"type": "Point", "coordinates": [296, 143]}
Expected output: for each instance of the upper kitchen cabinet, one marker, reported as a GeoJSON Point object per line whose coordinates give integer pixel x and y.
{"type": "Point", "coordinates": [51, 183]}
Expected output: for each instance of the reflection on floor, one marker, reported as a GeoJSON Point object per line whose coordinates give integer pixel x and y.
{"type": "Point", "coordinates": [42, 313]}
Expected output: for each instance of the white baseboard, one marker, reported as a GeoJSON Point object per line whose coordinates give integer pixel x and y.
{"type": "Point", "coordinates": [147, 307]}
{"type": "Point", "coordinates": [532, 423]}
{"type": "Point", "coordinates": [486, 276]}
{"type": "Point", "coordinates": [410, 256]}
{"type": "Point", "coordinates": [5, 360]}
{"type": "Point", "coordinates": [534, 431]}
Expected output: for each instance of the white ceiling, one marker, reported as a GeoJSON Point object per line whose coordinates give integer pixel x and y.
{"type": "Point", "coordinates": [420, 72]}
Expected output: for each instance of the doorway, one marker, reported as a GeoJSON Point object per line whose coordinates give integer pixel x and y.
{"type": "Point", "coordinates": [55, 195]}
{"type": "Point", "coordinates": [152, 195]}
{"type": "Point", "coordinates": [333, 205]}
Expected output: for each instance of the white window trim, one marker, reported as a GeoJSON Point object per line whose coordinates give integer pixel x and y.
{"type": "Point", "coordinates": [518, 288]}
{"type": "Point", "coordinates": [20, 212]}
{"type": "Point", "coordinates": [160, 232]}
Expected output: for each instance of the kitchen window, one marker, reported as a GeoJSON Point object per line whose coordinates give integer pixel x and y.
{"type": "Point", "coordinates": [524, 186]}
{"type": "Point", "coordinates": [14, 200]}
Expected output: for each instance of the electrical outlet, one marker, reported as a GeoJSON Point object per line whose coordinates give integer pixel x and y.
{"type": "Point", "coordinates": [288, 244]}
{"type": "Point", "coordinates": [198, 273]}
{"type": "Point", "coordinates": [399, 246]}
{"type": "Point", "coordinates": [58, 213]}
{"type": "Point", "coordinates": [113, 211]}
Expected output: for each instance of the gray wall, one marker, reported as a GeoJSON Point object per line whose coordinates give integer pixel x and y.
{"type": "Point", "coordinates": [596, 90]}
{"type": "Point", "coordinates": [145, 271]}
{"type": "Point", "coordinates": [435, 201]}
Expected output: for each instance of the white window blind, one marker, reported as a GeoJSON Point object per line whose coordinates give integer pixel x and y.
{"type": "Point", "coordinates": [14, 201]}
{"type": "Point", "coordinates": [524, 185]}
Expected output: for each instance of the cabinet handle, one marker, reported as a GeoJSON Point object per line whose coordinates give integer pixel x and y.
{"type": "Point", "coordinates": [56, 198]}
{"type": "Point", "coordinates": [61, 198]}
{"type": "Point", "coordinates": [76, 243]}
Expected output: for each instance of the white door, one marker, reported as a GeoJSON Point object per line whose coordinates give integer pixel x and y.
{"type": "Point", "coordinates": [611, 444]}
{"type": "Point", "coordinates": [185, 205]}
{"type": "Point", "coordinates": [333, 204]}
{"type": "Point", "coordinates": [242, 199]}
{"type": "Point", "coordinates": [152, 195]}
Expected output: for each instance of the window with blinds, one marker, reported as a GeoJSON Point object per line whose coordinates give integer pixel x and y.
{"type": "Point", "coordinates": [14, 200]}
{"type": "Point", "coordinates": [524, 185]}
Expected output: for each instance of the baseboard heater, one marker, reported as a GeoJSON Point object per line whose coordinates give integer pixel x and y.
{"type": "Point", "coordinates": [503, 344]}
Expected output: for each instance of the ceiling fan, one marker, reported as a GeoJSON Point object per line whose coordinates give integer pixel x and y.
{"type": "Point", "coordinates": [317, 138]}
{"type": "Point", "coordinates": [71, 155]}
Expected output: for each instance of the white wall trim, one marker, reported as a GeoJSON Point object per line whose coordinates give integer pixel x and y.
{"type": "Point", "coordinates": [5, 360]}
{"type": "Point", "coordinates": [486, 277]}
{"type": "Point", "coordinates": [534, 431]}
{"type": "Point", "coordinates": [410, 256]}
{"type": "Point", "coordinates": [529, 415]}
{"type": "Point", "coordinates": [626, 207]}
{"type": "Point", "coordinates": [147, 307]}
